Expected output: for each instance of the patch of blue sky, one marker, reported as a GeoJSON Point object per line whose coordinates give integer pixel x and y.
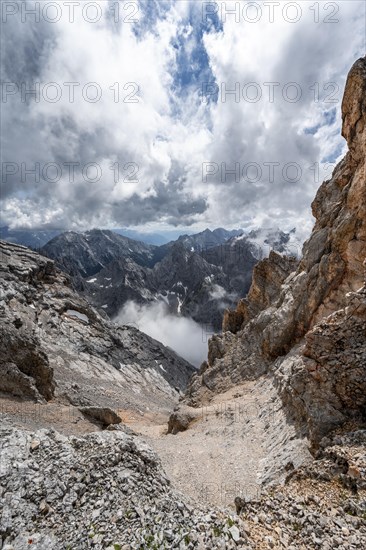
{"type": "Point", "coordinates": [149, 13]}
{"type": "Point", "coordinates": [328, 118]}
{"type": "Point", "coordinates": [191, 72]}
{"type": "Point", "coordinates": [313, 130]}
{"type": "Point", "coordinates": [192, 63]}
{"type": "Point", "coordinates": [332, 157]}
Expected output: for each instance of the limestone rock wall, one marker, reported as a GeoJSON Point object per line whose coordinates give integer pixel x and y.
{"type": "Point", "coordinates": [268, 276]}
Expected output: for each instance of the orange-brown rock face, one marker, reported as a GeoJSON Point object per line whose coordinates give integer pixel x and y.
{"type": "Point", "coordinates": [285, 311]}
{"type": "Point", "coordinates": [268, 277]}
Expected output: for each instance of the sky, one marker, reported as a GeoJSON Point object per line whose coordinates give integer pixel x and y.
{"type": "Point", "coordinates": [159, 115]}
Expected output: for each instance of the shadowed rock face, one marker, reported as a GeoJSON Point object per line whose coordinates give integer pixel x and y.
{"type": "Point", "coordinates": [103, 415]}
{"type": "Point", "coordinates": [25, 369]}
{"type": "Point", "coordinates": [54, 344]}
{"type": "Point", "coordinates": [268, 277]}
{"type": "Point", "coordinates": [310, 330]}
{"type": "Point", "coordinates": [325, 383]}
{"type": "Point", "coordinates": [88, 253]}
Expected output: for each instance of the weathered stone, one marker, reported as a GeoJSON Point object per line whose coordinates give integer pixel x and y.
{"type": "Point", "coordinates": [109, 488]}
{"type": "Point", "coordinates": [104, 415]}
{"type": "Point", "coordinates": [180, 419]}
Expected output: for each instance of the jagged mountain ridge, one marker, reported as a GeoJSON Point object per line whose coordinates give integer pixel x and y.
{"type": "Point", "coordinates": [311, 337]}
{"type": "Point", "coordinates": [88, 253]}
{"type": "Point", "coordinates": [208, 239]}
{"type": "Point", "coordinates": [264, 240]}
{"type": "Point", "coordinates": [197, 276]}
{"type": "Point", "coordinates": [31, 238]}
{"type": "Point", "coordinates": [111, 273]}
{"type": "Point", "coordinates": [55, 345]}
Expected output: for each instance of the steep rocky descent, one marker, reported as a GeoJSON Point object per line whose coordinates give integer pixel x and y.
{"type": "Point", "coordinates": [56, 496]}
{"type": "Point", "coordinates": [321, 300]}
{"type": "Point", "coordinates": [105, 490]}
{"type": "Point", "coordinates": [53, 344]}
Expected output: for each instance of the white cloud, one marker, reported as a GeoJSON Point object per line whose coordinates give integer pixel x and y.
{"type": "Point", "coordinates": [304, 53]}
{"type": "Point", "coordinates": [182, 334]}
{"type": "Point", "coordinates": [217, 293]}
{"type": "Point", "coordinates": [169, 134]}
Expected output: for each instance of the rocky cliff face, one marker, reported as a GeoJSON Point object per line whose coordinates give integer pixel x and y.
{"type": "Point", "coordinates": [53, 344]}
{"type": "Point", "coordinates": [268, 277]}
{"type": "Point", "coordinates": [310, 331]}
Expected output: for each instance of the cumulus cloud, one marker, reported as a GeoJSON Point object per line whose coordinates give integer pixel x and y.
{"type": "Point", "coordinates": [313, 58]}
{"type": "Point", "coordinates": [218, 293]}
{"type": "Point", "coordinates": [150, 133]}
{"type": "Point", "coordinates": [183, 335]}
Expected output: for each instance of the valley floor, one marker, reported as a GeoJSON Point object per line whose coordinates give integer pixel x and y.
{"type": "Point", "coordinates": [231, 446]}
{"type": "Point", "coordinates": [241, 439]}
{"type": "Point", "coordinates": [218, 457]}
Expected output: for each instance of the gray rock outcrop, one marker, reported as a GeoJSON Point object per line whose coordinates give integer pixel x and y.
{"type": "Point", "coordinates": [105, 490]}
{"type": "Point", "coordinates": [53, 344]}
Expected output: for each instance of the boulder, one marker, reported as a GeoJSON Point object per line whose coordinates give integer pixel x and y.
{"type": "Point", "coordinates": [180, 419]}
{"type": "Point", "coordinates": [104, 415]}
